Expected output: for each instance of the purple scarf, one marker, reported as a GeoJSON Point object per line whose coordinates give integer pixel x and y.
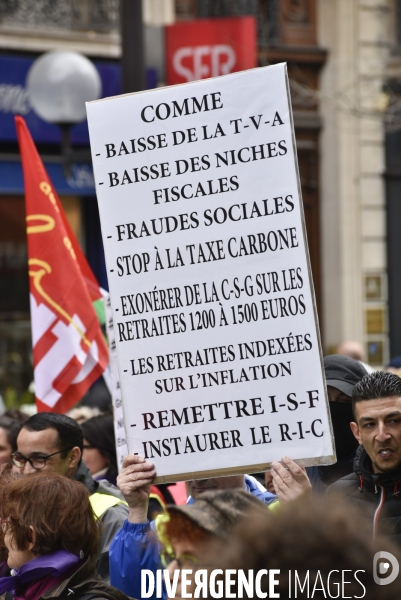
{"type": "Point", "coordinates": [54, 564]}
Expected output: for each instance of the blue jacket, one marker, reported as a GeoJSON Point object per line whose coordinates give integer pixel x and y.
{"type": "Point", "coordinates": [136, 547]}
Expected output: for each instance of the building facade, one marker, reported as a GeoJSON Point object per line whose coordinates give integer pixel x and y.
{"type": "Point", "coordinates": [343, 64]}
{"type": "Point", "coordinates": [359, 38]}
{"type": "Point", "coordinates": [287, 32]}
{"type": "Point", "coordinates": [27, 29]}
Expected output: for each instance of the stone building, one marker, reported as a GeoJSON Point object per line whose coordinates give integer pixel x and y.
{"type": "Point", "coordinates": [345, 71]}
{"type": "Point", "coordinates": [359, 38]}
{"type": "Point", "coordinates": [341, 55]}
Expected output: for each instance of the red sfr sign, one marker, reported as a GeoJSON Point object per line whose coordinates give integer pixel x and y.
{"type": "Point", "coordinates": [209, 47]}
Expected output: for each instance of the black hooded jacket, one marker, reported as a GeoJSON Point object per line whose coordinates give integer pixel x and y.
{"type": "Point", "coordinates": [377, 496]}
{"type": "Point", "coordinates": [84, 584]}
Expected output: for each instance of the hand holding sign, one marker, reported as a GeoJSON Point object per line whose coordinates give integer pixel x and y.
{"type": "Point", "coordinates": [290, 480]}
{"type": "Point", "coordinates": [134, 482]}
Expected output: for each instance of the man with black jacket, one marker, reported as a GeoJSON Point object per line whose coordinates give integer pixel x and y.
{"type": "Point", "coordinates": [375, 485]}
{"type": "Point", "coordinates": [342, 373]}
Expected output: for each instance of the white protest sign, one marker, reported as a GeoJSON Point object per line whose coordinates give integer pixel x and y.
{"type": "Point", "coordinates": [115, 386]}
{"type": "Point", "coordinates": [215, 322]}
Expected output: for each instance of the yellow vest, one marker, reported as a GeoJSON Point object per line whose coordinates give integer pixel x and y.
{"type": "Point", "coordinates": [102, 502]}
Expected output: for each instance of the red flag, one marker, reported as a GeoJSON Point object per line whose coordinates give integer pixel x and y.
{"type": "Point", "coordinates": [69, 352]}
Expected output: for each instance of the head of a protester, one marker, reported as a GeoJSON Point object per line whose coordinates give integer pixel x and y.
{"type": "Point", "coordinates": [376, 402]}
{"type": "Point", "coordinates": [10, 425]}
{"type": "Point", "coordinates": [99, 447]}
{"type": "Point", "coordinates": [83, 413]}
{"type": "Point", "coordinates": [269, 485]}
{"type": "Point", "coordinates": [49, 442]}
{"type": "Point", "coordinates": [342, 374]}
{"type": "Point", "coordinates": [394, 365]}
{"type": "Point", "coordinates": [52, 539]}
{"type": "Point", "coordinates": [45, 513]}
{"type": "Point", "coordinates": [187, 531]}
{"type": "Point", "coordinates": [196, 487]}
{"type": "Point", "coordinates": [307, 550]}
{"type": "Point", "coordinates": [352, 349]}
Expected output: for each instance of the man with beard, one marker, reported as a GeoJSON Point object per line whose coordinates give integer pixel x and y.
{"type": "Point", "coordinates": [342, 373]}
{"type": "Point", "coordinates": [374, 485]}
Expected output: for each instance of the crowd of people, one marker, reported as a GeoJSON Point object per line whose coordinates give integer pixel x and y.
{"type": "Point", "coordinates": [72, 526]}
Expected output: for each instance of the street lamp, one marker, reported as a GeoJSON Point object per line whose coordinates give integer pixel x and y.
{"type": "Point", "coordinates": [59, 83]}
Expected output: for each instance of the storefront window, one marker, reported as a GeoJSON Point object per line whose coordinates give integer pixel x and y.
{"type": "Point", "coordinates": [15, 328]}
{"type": "Point", "coordinates": [16, 370]}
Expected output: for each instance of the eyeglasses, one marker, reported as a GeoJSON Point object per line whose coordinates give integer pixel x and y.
{"type": "Point", "coordinates": [185, 560]}
{"type": "Point", "coordinates": [36, 462]}
{"type": "Point", "coordinates": [4, 525]}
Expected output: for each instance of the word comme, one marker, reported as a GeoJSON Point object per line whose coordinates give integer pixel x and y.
{"type": "Point", "coordinates": [189, 106]}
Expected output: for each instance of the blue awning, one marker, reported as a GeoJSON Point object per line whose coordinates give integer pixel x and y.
{"type": "Point", "coordinates": [79, 183]}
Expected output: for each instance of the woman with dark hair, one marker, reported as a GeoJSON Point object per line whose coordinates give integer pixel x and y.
{"type": "Point", "coordinates": [52, 537]}
{"type": "Point", "coordinates": [99, 453]}
{"type": "Point", "coordinates": [10, 425]}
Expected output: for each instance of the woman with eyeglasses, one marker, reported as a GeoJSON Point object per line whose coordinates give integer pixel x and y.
{"type": "Point", "coordinates": [184, 542]}
{"type": "Point", "coordinates": [186, 533]}
{"type": "Point", "coordinates": [51, 537]}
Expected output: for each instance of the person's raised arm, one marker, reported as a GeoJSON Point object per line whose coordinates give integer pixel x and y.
{"type": "Point", "coordinates": [134, 482]}
{"type": "Point", "coordinates": [135, 547]}
{"type": "Point", "coordinates": [290, 480]}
